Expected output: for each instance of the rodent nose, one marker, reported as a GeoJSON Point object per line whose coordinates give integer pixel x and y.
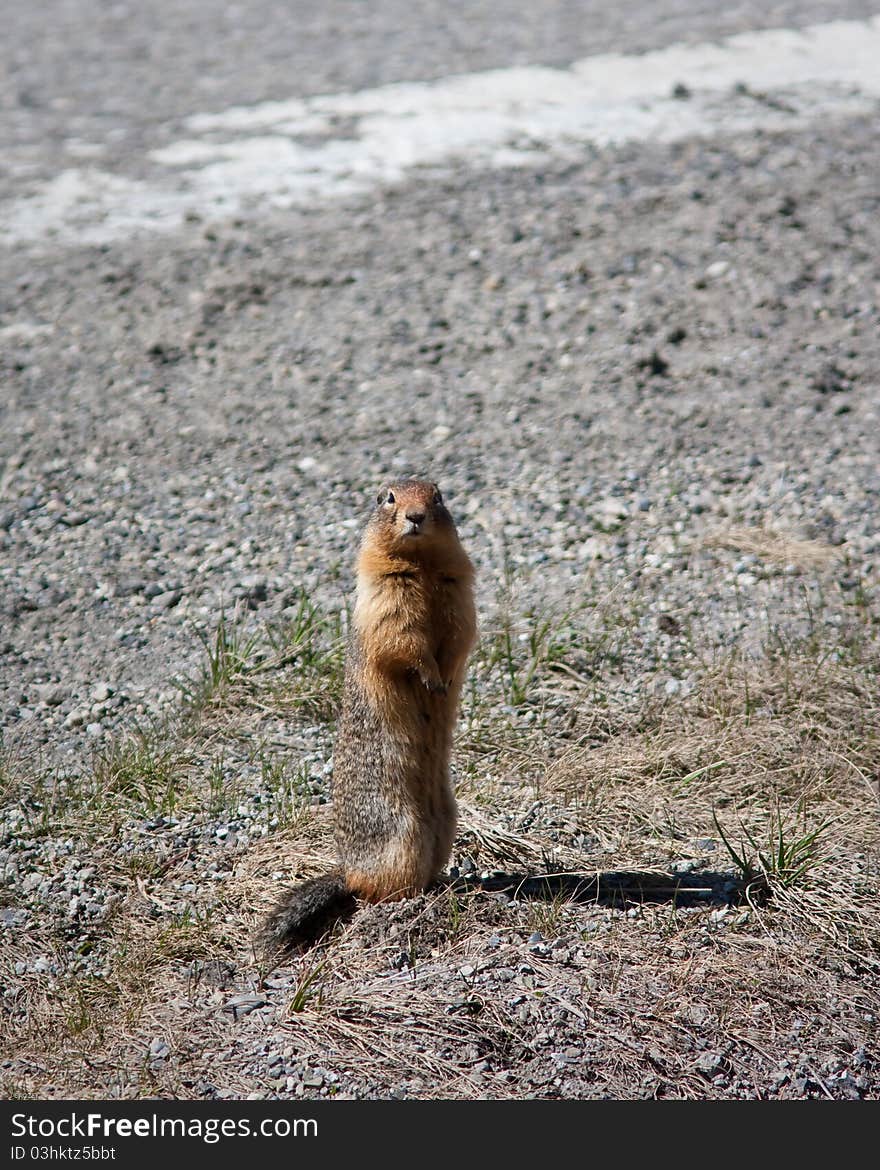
{"type": "Point", "coordinates": [415, 517]}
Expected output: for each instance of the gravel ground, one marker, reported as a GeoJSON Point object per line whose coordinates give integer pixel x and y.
{"type": "Point", "coordinates": [609, 366]}
{"type": "Point", "coordinates": [81, 74]}
{"type": "Point", "coordinates": [600, 364]}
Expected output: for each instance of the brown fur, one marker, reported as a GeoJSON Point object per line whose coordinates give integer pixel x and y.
{"type": "Point", "coordinates": [414, 626]}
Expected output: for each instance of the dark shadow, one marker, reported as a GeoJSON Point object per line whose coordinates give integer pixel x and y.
{"type": "Point", "coordinates": [619, 888]}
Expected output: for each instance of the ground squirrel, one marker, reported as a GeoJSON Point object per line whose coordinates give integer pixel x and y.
{"type": "Point", "coordinates": [413, 627]}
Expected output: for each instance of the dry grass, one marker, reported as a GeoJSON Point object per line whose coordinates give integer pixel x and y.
{"type": "Point", "coordinates": [765, 777]}
{"type": "Point", "coordinates": [778, 548]}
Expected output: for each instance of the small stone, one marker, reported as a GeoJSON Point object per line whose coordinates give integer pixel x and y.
{"type": "Point", "coordinates": [848, 1087]}
{"type": "Point", "coordinates": [241, 1005]}
{"type": "Point", "coordinates": [52, 694]}
{"type": "Point", "coordinates": [685, 866]}
{"type": "Point", "coordinates": [667, 624]}
{"type": "Point", "coordinates": [73, 519]}
{"type": "Point", "coordinates": [717, 269]}
{"type": "Point", "coordinates": [696, 1013]}
{"type": "Point", "coordinates": [609, 513]}
{"type": "Point", "coordinates": [76, 718]}
{"type": "Point", "coordinates": [655, 364]}
{"type": "Point", "coordinates": [591, 549]}
{"type": "Point", "coordinates": [255, 588]}
{"type": "Point", "coordinates": [831, 379]}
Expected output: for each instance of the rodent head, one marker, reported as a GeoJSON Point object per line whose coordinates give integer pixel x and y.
{"type": "Point", "coordinates": [410, 513]}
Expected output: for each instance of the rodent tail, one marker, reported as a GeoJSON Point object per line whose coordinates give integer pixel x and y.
{"type": "Point", "coordinates": [307, 912]}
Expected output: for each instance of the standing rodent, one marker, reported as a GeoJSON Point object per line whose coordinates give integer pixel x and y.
{"type": "Point", "coordinates": [414, 625]}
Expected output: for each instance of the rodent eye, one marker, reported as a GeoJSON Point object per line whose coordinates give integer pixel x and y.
{"type": "Point", "coordinates": [389, 499]}
{"type": "Point", "coordinates": [438, 499]}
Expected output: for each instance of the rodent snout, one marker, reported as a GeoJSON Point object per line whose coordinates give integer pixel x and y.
{"type": "Point", "coordinates": [415, 517]}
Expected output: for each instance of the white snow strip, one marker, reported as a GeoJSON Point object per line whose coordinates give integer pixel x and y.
{"type": "Point", "coordinates": [303, 151]}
